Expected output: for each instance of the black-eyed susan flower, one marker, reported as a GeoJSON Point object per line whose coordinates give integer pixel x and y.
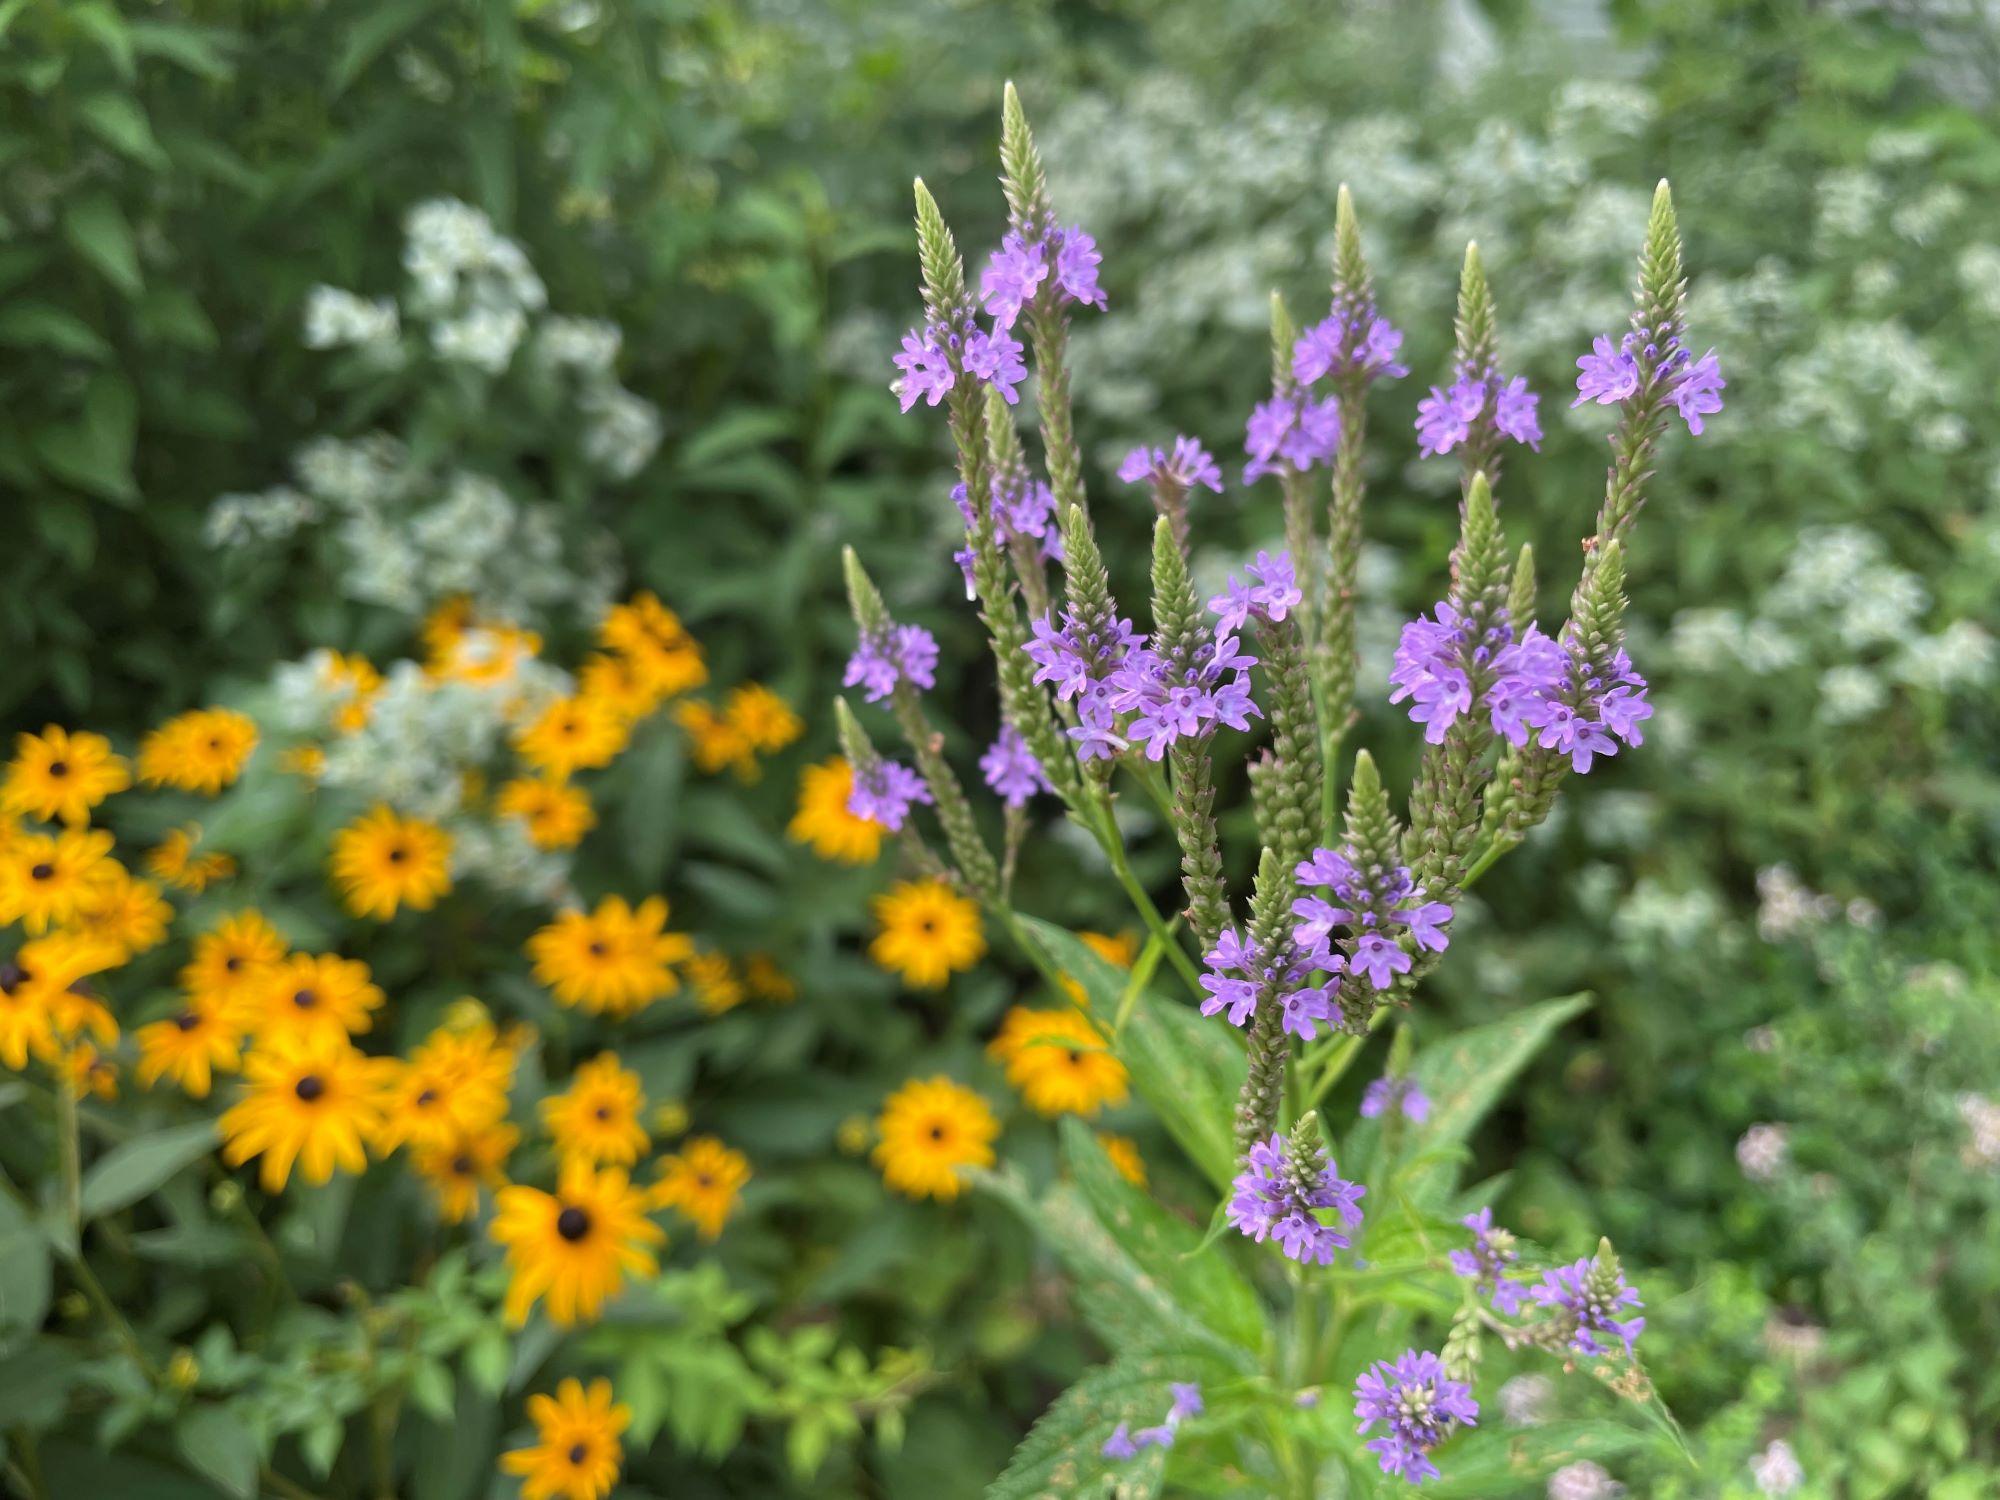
{"type": "Point", "coordinates": [124, 914]}
{"type": "Point", "coordinates": [25, 1027]}
{"type": "Point", "coordinates": [573, 734]}
{"type": "Point", "coordinates": [823, 821]}
{"type": "Point", "coordinates": [351, 680]}
{"type": "Point", "coordinates": [1124, 1154]}
{"type": "Point", "coordinates": [621, 682]}
{"type": "Point", "coordinates": [573, 1248]}
{"type": "Point", "coordinates": [313, 1101]}
{"type": "Point", "coordinates": [651, 636]}
{"type": "Point", "coordinates": [230, 963]}
{"type": "Point", "coordinates": [190, 1046]}
{"type": "Point", "coordinates": [200, 751]}
{"type": "Point", "coordinates": [929, 932]}
{"type": "Point", "coordinates": [176, 860]}
{"type": "Point", "coordinates": [578, 1455]}
{"type": "Point", "coordinates": [383, 861]}
{"type": "Point", "coordinates": [766, 981]}
{"type": "Point", "coordinates": [86, 1069]}
{"type": "Point", "coordinates": [762, 717]}
{"type": "Point", "coordinates": [458, 648]}
{"type": "Point", "coordinates": [596, 1119]}
{"type": "Point", "coordinates": [717, 743]}
{"type": "Point", "coordinates": [557, 813]}
{"type": "Point", "coordinates": [1059, 1061]}
{"type": "Point", "coordinates": [716, 986]}
{"type": "Point", "coordinates": [612, 960]}
{"type": "Point", "coordinates": [702, 1181]}
{"type": "Point", "coordinates": [43, 1002]}
{"type": "Point", "coordinates": [457, 1168]}
{"type": "Point", "coordinates": [315, 994]}
{"type": "Point", "coordinates": [45, 879]}
{"type": "Point", "coordinates": [453, 1085]}
{"type": "Point", "coordinates": [930, 1128]}
{"type": "Point", "coordinates": [60, 776]}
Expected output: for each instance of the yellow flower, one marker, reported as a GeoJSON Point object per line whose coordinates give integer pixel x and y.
{"type": "Point", "coordinates": [558, 815]}
{"type": "Point", "coordinates": [762, 717]}
{"type": "Point", "coordinates": [454, 1085]}
{"type": "Point", "coordinates": [652, 638]}
{"type": "Point", "coordinates": [458, 1167]}
{"type": "Point", "coordinates": [717, 743]}
{"type": "Point", "coordinates": [716, 987]}
{"type": "Point", "coordinates": [383, 861]}
{"type": "Point", "coordinates": [928, 1129]}
{"type": "Point", "coordinates": [1059, 1062]}
{"type": "Point", "coordinates": [317, 995]}
{"type": "Point", "coordinates": [352, 678]}
{"type": "Point", "coordinates": [47, 1002]}
{"type": "Point", "coordinates": [25, 1026]}
{"type": "Point", "coordinates": [579, 1454]}
{"type": "Point", "coordinates": [574, 1246]}
{"type": "Point", "coordinates": [612, 960]}
{"type": "Point", "coordinates": [191, 1046]}
{"type": "Point", "coordinates": [1124, 1154]}
{"type": "Point", "coordinates": [573, 734]}
{"type": "Point", "coordinates": [823, 820]}
{"type": "Point", "coordinates": [767, 981]}
{"type": "Point", "coordinates": [88, 1071]}
{"type": "Point", "coordinates": [702, 1181]}
{"type": "Point", "coordinates": [200, 751]}
{"type": "Point", "coordinates": [929, 932]}
{"type": "Point", "coordinates": [175, 861]}
{"type": "Point", "coordinates": [46, 879]}
{"type": "Point", "coordinates": [308, 761]}
{"type": "Point", "coordinates": [1117, 951]}
{"type": "Point", "coordinates": [59, 775]}
{"type": "Point", "coordinates": [483, 653]}
{"type": "Point", "coordinates": [230, 964]}
{"type": "Point", "coordinates": [597, 1118]}
{"type": "Point", "coordinates": [312, 1100]}
{"type": "Point", "coordinates": [621, 683]}
{"type": "Point", "coordinates": [124, 914]}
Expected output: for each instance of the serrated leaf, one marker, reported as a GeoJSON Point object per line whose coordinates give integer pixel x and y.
{"type": "Point", "coordinates": [1495, 1460]}
{"type": "Point", "coordinates": [1186, 1066]}
{"type": "Point", "coordinates": [1164, 1246]}
{"type": "Point", "coordinates": [129, 1171]}
{"type": "Point", "coordinates": [1061, 1455]}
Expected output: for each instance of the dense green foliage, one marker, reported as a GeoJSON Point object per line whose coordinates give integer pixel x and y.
{"type": "Point", "coordinates": [1779, 908]}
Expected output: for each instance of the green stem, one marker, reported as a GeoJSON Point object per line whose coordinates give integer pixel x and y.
{"type": "Point", "coordinates": [71, 1155]}
{"type": "Point", "coordinates": [290, 1489]}
{"type": "Point", "coordinates": [1114, 850]}
{"type": "Point", "coordinates": [108, 1310]}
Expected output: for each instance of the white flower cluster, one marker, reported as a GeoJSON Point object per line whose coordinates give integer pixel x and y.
{"type": "Point", "coordinates": [1654, 915]}
{"type": "Point", "coordinates": [1763, 1151]}
{"type": "Point", "coordinates": [409, 529]}
{"type": "Point", "coordinates": [1787, 907]}
{"type": "Point", "coordinates": [1583, 1480]}
{"type": "Point", "coordinates": [1845, 609]}
{"type": "Point", "coordinates": [1982, 1129]}
{"type": "Point", "coordinates": [1776, 1471]}
{"type": "Point", "coordinates": [423, 738]}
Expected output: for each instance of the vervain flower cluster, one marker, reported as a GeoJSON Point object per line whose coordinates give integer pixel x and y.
{"type": "Point", "coordinates": [1282, 1189]}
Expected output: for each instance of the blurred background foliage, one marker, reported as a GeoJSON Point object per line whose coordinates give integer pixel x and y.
{"type": "Point", "coordinates": [1782, 908]}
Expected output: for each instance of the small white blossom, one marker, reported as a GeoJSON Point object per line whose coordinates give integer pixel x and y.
{"type": "Point", "coordinates": [1776, 1470]}
{"type": "Point", "coordinates": [1763, 1151]}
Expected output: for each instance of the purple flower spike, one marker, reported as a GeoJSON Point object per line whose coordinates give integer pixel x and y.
{"type": "Point", "coordinates": [1011, 769]}
{"type": "Point", "coordinates": [1609, 374]}
{"type": "Point", "coordinates": [1487, 1261]}
{"type": "Point", "coordinates": [1365, 344]}
{"type": "Point", "coordinates": [1419, 1407]}
{"type": "Point", "coordinates": [1374, 905]}
{"type": "Point", "coordinates": [1290, 431]}
{"type": "Point", "coordinates": [1446, 418]}
{"type": "Point", "coordinates": [996, 359]}
{"type": "Point", "coordinates": [1076, 267]}
{"type": "Point", "coordinates": [1187, 1402]}
{"type": "Point", "coordinates": [1012, 276]}
{"type": "Point", "coordinates": [1188, 465]}
{"type": "Point", "coordinates": [902, 653]}
{"type": "Point", "coordinates": [1272, 593]}
{"type": "Point", "coordinates": [1161, 1436]}
{"type": "Point", "coordinates": [1516, 412]}
{"type": "Point", "coordinates": [1697, 391]}
{"type": "Point", "coordinates": [1119, 1445]}
{"type": "Point", "coordinates": [1592, 1295]}
{"type": "Point", "coordinates": [1401, 1094]}
{"type": "Point", "coordinates": [1268, 1203]}
{"type": "Point", "coordinates": [926, 370]}
{"type": "Point", "coordinates": [886, 794]}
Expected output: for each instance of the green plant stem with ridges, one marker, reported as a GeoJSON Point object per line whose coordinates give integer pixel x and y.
{"type": "Point", "coordinates": [961, 830]}
{"type": "Point", "coordinates": [1263, 1092]}
{"type": "Point", "coordinates": [1297, 781]}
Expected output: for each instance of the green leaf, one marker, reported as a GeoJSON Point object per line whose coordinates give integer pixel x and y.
{"type": "Point", "coordinates": [40, 325]}
{"type": "Point", "coordinates": [1060, 1458]}
{"type": "Point", "coordinates": [1465, 1075]}
{"type": "Point", "coordinates": [454, 1464]}
{"type": "Point", "coordinates": [24, 1270]}
{"type": "Point", "coordinates": [118, 121]}
{"type": "Point", "coordinates": [650, 823]}
{"type": "Point", "coordinates": [373, 34]}
{"type": "Point", "coordinates": [1163, 1245]}
{"type": "Point", "coordinates": [97, 230]}
{"type": "Point", "coordinates": [131, 1170]}
{"type": "Point", "coordinates": [219, 1446]}
{"type": "Point", "coordinates": [1495, 1460]}
{"type": "Point", "coordinates": [94, 451]}
{"type": "Point", "coordinates": [1184, 1065]}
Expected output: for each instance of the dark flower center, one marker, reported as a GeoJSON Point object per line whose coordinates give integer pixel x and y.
{"type": "Point", "coordinates": [703, 1180]}
{"type": "Point", "coordinates": [12, 977]}
{"type": "Point", "coordinates": [187, 1020]}
{"type": "Point", "coordinates": [937, 1132]}
{"type": "Point", "coordinates": [461, 1165]}
{"type": "Point", "coordinates": [232, 963]}
{"type": "Point", "coordinates": [304, 999]}
{"type": "Point", "coordinates": [310, 1088]}
{"type": "Point", "coordinates": [1075, 1057]}
{"type": "Point", "coordinates": [603, 1111]}
{"type": "Point", "coordinates": [597, 950]}
{"type": "Point", "coordinates": [572, 1224]}
{"type": "Point", "coordinates": [578, 1452]}
{"type": "Point", "coordinates": [59, 768]}
{"type": "Point", "coordinates": [428, 1096]}
{"type": "Point", "coordinates": [398, 854]}
{"type": "Point", "coordinates": [42, 871]}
